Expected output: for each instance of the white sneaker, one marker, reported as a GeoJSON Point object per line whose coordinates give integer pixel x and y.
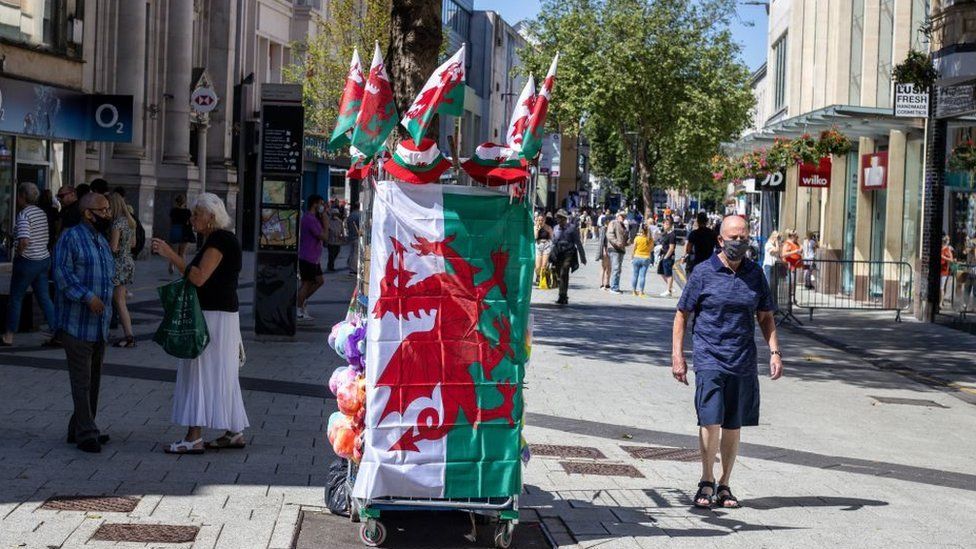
{"type": "Point", "coordinates": [616, 292]}
{"type": "Point", "coordinates": [665, 294]}
{"type": "Point", "coordinates": [303, 315]}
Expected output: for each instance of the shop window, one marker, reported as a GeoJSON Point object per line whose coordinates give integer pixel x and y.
{"type": "Point", "coordinates": [857, 39]}
{"type": "Point", "coordinates": [913, 201]}
{"type": "Point", "coordinates": [6, 196]}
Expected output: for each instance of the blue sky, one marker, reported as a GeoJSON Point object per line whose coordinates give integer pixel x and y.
{"type": "Point", "coordinates": [752, 39]}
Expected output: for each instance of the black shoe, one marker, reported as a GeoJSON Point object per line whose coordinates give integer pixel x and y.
{"type": "Point", "coordinates": [562, 301]}
{"type": "Point", "coordinates": [102, 439]}
{"type": "Point", "coordinates": [91, 446]}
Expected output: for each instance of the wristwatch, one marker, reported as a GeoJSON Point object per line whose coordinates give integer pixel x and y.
{"type": "Point", "coordinates": [777, 353]}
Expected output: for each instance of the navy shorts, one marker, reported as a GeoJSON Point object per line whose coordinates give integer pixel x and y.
{"type": "Point", "coordinates": [666, 267]}
{"type": "Point", "coordinates": [308, 271]}
{"type": "Point", "coordinates": [725, 399]}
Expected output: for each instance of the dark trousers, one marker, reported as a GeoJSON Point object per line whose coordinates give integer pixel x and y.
{"type": "Point", "coordinates": [85, 372]}
{"type": "Point", "coordinates": [333, 254]}
{"type": "Point", "coordinates": [565, 267]}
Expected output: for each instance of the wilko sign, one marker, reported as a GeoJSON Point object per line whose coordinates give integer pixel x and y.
{"type": "Point", "coordinates": [816, 175]}
{"type": "Point", "coordinates": [773, 182]}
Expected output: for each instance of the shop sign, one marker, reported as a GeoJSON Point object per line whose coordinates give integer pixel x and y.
{"type": "Point", "coordinates": [910, 102]}
{"type": "Point", "coordinates": [815, 175]}
{"type": "Point", "coordinates": [555, 149]}
{"type": "Point", "coordinates": [956, 101]}
{"type": "Point", "coordinates": [203, 100]}
{"type": "Point", "coordinates": [49, 112]}
{"type": "Point", "coordinates": [772, 182]}
{"type": "Point", "coordinates": [874, 171]}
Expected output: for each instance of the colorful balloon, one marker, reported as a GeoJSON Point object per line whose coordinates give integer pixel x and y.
{"type": "Point", "coordinates": [344, 442]}
{"type": "Point", "coordinates": [337, 376]}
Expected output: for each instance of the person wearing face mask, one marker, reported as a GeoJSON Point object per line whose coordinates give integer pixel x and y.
{"type": "Point", "coordinates": [311, 236]}
{"type": "Point", "coordinates": [83, 271]}
{"type": "Point", "coordinates": [728, 294]}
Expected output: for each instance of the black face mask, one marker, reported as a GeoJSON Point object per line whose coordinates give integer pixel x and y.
{"type": "Point", "coordinates": [101, 224]}
{"type": "Point", "coordinates": [735, 250]}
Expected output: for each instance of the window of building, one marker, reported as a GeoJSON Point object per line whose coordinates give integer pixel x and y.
{"type": "Point", "coordinates": [456, 18]}
{"type": "Point", "coordinates": [779, 82]}
{"type": "Point", "coordinates": [886, 29]}
{"type": "Point", "coordinates": [44, 24]}
{"type": "Point", "coordinates": [857, 39]}
{"type": "Point", "coordinates": [911, 231]}
{"type": "Point", "coordinates": [920, 11]}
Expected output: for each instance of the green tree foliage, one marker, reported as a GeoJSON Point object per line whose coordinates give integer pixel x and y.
{"type": "Point", "coordinates": [660, 81]}
{"type": "Point", "coordinates": [321, 61]}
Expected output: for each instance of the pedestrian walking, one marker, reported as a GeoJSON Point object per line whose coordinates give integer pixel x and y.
{"type": "Point", "coordinates": [121, 240]}
{"type": "Point", "coordinates": [180, 231]}
{"type": "Point", "coordinates": [83, 271]}
{"type": "Point", "coordinates": [809, 254]}
{"type": "Point", "coordinates": [946, 258]}
{"type": "Point", "coordinates": [700, 244]}
{"type": "Point", "coordinates": [567, 252]}
{"type": "Point", "coordinates": [208, 389]}
{"type": "Point", "coordinates": [32, 261]}
{"type": "Point", "coordinates": [543, 247]}
{"type": "Point", "coordinates": [665, 265]}
{"type": "Point", "coordinates": [335, 237]}
{"type": "Point", "coordinates": [70, 214]}
{"type": "Point", "coordinates": [311, 236]}
{"type": "Point", "coordinates": [604, 253]}
{"type": "Point", "coordinates": [791, 252]}
{"type": "Point", "coordinates": [727, 295]}
{"type": "Point", "coordinates": [641, 260]}
{"type": "Point", "coordinates": [770, 257]}
{"type": "Point", "coordinates": [618, 236]}
{"type": "Point", "coordinates": [353, 233]}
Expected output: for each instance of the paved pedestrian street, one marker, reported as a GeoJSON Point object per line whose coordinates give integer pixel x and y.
{"type": "Point", "coordinates": [833, 463]}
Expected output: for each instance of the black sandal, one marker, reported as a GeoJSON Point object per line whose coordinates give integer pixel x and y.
{"type": "Point", "coordinates": [726, 498]}
{"type": "Point", "coordinates": [700, 494]}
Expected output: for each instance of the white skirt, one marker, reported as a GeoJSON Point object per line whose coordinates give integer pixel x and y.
{"type": "Point", "coordinates": [208, 390]}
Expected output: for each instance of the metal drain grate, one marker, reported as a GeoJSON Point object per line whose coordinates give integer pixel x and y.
{"type": "Point", "coordinates": [908, 401]}
{"type": "Point", "coordinates": [556, 450]}
{"type": "Point", "coordinates": [98, 504]}
{"type": "Point", "coordinates": [662, 453]}
{"type": "Point", "coordinates": [146, 533]}
{"type": "Point", "coordinates": [602, 469]}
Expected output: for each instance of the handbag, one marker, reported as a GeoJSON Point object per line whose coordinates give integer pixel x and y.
{"type": "Point", "coordinates": [183, 332]}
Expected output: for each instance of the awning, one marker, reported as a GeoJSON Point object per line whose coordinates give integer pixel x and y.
{"type": "Point", "coordinates": [852, 121]}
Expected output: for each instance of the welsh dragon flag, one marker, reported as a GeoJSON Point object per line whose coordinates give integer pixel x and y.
{"type": "Point", "coordinates": [520, 116]}
{"type": "Point", "coordinates": [377, 115]}
{"type": "Point", "coordinates": [446, 342]}
{"type": "Point", "coordinates": [532, 143]}
{"type": "Point", "coordinates": [442, 94]}
{"type": "Point", "coordinates": [352, 98]}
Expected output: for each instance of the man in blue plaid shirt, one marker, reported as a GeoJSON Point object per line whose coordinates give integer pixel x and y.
{"type": "Point", "coordinates": [83, 269]}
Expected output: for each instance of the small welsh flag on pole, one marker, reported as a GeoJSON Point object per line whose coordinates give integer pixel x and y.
{"type": "Point", "coordinates": [352, 98]}
{"type": "Point", "coordinates": [378, 115]}
{"type": "Point", "coordinates": [520, 116]}
{"type": "Point", "coordinates": [442, 94]}
{"type": "Point", "coordinates": [532, 144]}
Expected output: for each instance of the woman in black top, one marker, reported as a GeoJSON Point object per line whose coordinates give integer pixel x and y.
{"type": "Point", "coordinates": [180, 231]}
{"type": "Point", "coordinates": [543, 245]}
{"type": "Point", "coordinates": [208, 391]}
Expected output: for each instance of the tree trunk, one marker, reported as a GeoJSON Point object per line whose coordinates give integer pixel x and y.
{"type": "Point", "coordinates": [415, 40]}
{"type": "Point", "coordinates": [644, 174]}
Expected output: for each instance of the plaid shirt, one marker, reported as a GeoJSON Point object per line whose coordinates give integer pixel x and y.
{"type": "Point", "coordinates": [83, 269]}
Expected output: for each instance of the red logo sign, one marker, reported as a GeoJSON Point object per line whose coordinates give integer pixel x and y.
{"type": "Point", "coordinates": [816, 175]}
{"type": "Point", "coordinates": [874, 171]}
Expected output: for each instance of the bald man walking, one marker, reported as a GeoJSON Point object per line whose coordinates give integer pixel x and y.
{"type": "Point", "coordinates": [728, 294]}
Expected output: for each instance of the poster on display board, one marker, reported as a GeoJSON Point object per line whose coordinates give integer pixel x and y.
{"type": "Point", "coordinates": [815, 175]}
{"type": "Point", "coordinates": [874, 171]}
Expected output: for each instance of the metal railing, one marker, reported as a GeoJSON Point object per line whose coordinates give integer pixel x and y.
{"type": "Point", "coordinates": [843, 285]}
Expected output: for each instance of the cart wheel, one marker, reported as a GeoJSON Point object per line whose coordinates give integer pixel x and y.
{"type": "Point", "coordinates": [372, 533]}
{"type": "Point", "coordinates": [503, 534]}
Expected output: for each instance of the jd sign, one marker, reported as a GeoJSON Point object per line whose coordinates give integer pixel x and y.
{"type": "Point", "coordinates": [773, 182]}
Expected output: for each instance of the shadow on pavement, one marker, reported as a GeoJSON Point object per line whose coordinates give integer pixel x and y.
{"type": "Point", "coordinates": [779, 502]}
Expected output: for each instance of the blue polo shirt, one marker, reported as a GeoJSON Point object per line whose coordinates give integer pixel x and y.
{"type": "Point", "coordinates": [725, 305]}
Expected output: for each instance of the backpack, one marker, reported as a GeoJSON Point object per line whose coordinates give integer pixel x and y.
{"type": "Point", "coordinates": [140, 243]}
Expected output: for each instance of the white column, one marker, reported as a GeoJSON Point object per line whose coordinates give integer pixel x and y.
{"type": "Point", "coordinates": [131, 69]}
{"type": "Point", "coordinates": [179, 68]}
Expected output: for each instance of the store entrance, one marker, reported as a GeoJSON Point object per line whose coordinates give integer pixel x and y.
{"type": "Point", "coordinates": [33, 173]}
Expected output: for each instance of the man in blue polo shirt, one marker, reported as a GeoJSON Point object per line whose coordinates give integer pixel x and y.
{"type": "Point", "coordinates": [728, 294]}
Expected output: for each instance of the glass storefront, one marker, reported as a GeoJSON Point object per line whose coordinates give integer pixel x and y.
{"type": "Point", "coordinates": [911, 232]}
{"type": "Point", "coordinates": [850, 219]}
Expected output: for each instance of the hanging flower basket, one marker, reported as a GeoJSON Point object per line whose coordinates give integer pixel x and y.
{"type": "Point", "coordinates": [916, 69]}
{"type": "Point", "coordinates": [803, 150]}
{"type": "Point", "coordinates": [779, 156]}
{"type": "Point", "coordinates": [832, 142]}
{"type": "Point", "coordinates": [963, 157]}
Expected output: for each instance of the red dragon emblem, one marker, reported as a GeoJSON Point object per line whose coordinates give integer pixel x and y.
{"type": "Point", "coordinates": [443, 354]}
{"type": "Point", "coordinates": [378, 103]}
{"type": "Point", "coordinates": [522, 123]}
{"type": "Point", "coordinates": [450, 78]}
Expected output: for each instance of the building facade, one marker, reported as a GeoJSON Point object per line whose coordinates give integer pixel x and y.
{"type": "Point", "coordinates": [829, 65]}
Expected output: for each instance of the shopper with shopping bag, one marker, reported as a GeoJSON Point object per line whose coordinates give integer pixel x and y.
{"type": "Point", "coordinates": [208, 390]}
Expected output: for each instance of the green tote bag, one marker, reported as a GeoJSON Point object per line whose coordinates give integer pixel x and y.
{"type": "Point", "coordinates": [183, 332]}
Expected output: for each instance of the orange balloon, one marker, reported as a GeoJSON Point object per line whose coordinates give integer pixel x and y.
{"type": "Point", "coordinates": [351, 398]}
{"type": "Point", "coordinates": [345, 442]}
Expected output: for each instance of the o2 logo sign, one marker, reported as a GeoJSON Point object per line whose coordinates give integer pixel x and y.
{"type": "Point", "coordinates": [774, 182]}
{"type": "Point", "coordinates": [107, 116]}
